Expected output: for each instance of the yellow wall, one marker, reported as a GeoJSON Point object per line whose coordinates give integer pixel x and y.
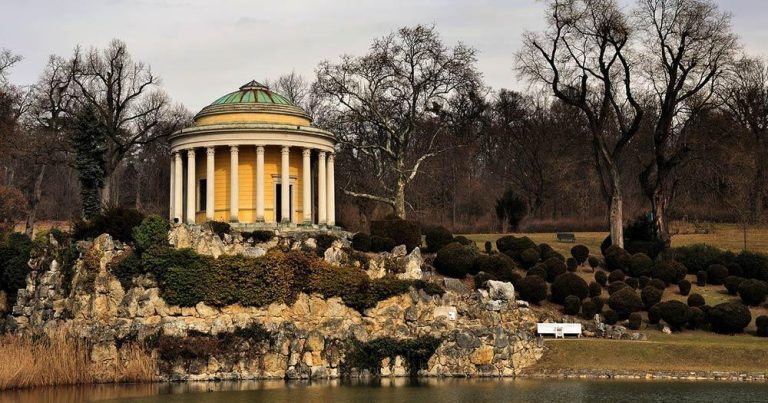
{"type": "Point", "coordinates": [247, 183]}
{"type": "Point", "coordinates": [250, 117]}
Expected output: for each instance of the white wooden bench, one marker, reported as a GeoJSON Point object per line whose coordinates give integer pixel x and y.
{"type": "Point", "coordinates": [559, 330]}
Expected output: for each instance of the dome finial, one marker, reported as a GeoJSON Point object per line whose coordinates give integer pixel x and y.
{"type": "Point", "coordinates": [254, 85]}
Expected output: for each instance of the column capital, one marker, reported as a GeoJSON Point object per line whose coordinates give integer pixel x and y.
{"type": "Point", "coordinates": [177, 154]}
{"type": "Point", "coordinates": [260, 149]}
{"type": "Point", "coordinates": [190, 152]}
{"type": "Point", "coordinates": [285, 149]}
{"type": "Point", "coordinates": [234, 149]}
{"type": "Point", "coordinates": [211, 150]}
{"type": "Point", "coordinates": [322, 154]}
{"type": "Point", "coordinates": [331, 157]}
{"type": "Point", "coordinates": [307, 152]}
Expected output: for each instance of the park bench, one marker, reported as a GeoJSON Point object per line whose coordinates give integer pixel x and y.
{"type": "Point", "coordinates": [559, 330]}
{"type": "Point", "coordinates": [566, 237]}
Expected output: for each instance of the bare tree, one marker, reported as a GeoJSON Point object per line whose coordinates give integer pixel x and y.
{"type": "Point", "coordinates": [7, 59]}
{"type": "Point", "coordinates": [385, 106]}
{"type": "Point", "coordinates": [583, 58]}
{"type": "Point", "coordinates": [125, 93]}
{"type": "Point", "coordinates": [687, 45]}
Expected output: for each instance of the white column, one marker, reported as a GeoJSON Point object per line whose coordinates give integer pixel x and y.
{"type": "Point", "coordinates": [285, 181]}
{"type": "Point", "coordinates": [260, 184]}
{"type": "Point", "coordinates": [321, 189]}
{"type": "Point", "coordinates": [172, 197]}
{"type": "Point", "coordinates": [307, 182]}
{"type": "Point", "coordinates": [178, 196]}
{"type": "Point", "coordinates": [191, 199]}
{"type": "Point", "coordinates": [331, 213]}
{"type": "Point", "coordinates": [210, 180]}
{"type": "Point", "coordinates": [234, 191]}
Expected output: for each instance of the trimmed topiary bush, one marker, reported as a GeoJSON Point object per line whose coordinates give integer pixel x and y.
{"type": "Point", "coordinates": [594, 262]}
{"type": "Point", "coordinates": [464, 240]}
{"type": "Point", "coordinates": [635, 321]}
{"type": "Point", "coordinates": [696, 300]}
{"type": "Point", "coordinates": [761, 322]}
{"type": "Point", "coordinates": [580, 253]}
{"type": "Point", "coordinates": [610, 317]}
{"type": "Point", "coordinates": [665, 272]}
{"type": "Point", "coordinates": [568, 284]}
{"type": "Point", "coordinates": [588, 309]}
{"type": "Point", "coordinates": [481, 278]}
{"type": "Point", "coordinates": [696, 257]}
{"type": "Point", "coordinates": [595, 289]}
{"type": "Point", "coordinates": [498, 265]}
{"type": "Point", "coordinates": [616, 275]}
{"type": "Point", "coordinates": [675, 313]}
{"type": "Point", "coordinates": [753, 265]}
{"type": "Point", "coordinates": [617, 258]}
{"type": "Point", "coordinates": [382, 244]}
{"type": "Point", "coordinates": [732, 284]}
{"type": "Point", "coordinates": [488, 247]}
{"type": "Point", "coordinates": [455, 260]}
{"type": "Point", "coordinates": [716, 274]}
{"type": "Point", "coordinates": [601, 278]}
{"type": "Point", "coordinates": [654, 314]}
{"type": "Point", "coordinates": [571, 305]}
{"type": "Point", "coordinates": [753, 292]}
{"type": "Point", "coordinates": [571, 264]}
{"type": "Point", "coordinates": [657, 283]}
{"type": "Point", "coordinates": [650, 296]}
{"type": "Point", "coordinates": [729, 317]}
{"type": "Point", "coordinates": [532, 289]}
{"type": "Point", "coordinates": [361, 242]}
{"type": "Point", "coordinates": [529, 257]}
{"type": "Point", "coordinates": [701, 278]}
{"type": "Point", "coordinates": [632, 282]}
{"type": "Point", "coordinates": [514, 246]}
{"type": "Point", "coordinates": [436, 238]}
{"type": "Point", "coordinates": [644, 280]}
{"type": "Point", "coordinates": [698, 319]}
{"type": "Point", "coordinates": [538, 270]}
{"type": "Point", "coordinates": [599, 303]}
{"type": "Point", "coordinates": [684, 286]}
{"type": "Point", "coordinates": [555, 267]}
{"type": "Point", "coordinates": [616, 286]}
{"type": "Point", "coordinates": [403, 232]}
{"type": "Point", "coordinates": [640, 265]}
{"type": "Point", "coordinates": [261, 236]}
{"type": "Point", "coordinates": [625, 301]}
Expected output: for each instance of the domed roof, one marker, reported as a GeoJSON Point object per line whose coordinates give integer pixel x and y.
{"type": "Point", "coordinates": [253, 92]}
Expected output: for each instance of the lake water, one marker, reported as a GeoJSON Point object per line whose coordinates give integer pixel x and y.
{"type": "Point", "coordinates": [396, 391]}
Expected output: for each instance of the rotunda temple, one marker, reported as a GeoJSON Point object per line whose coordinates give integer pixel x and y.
{"type": "Point", "coordinates": [253, 157]}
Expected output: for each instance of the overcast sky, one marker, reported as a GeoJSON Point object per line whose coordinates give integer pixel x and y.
{"type": "Point", "coordinates": [203, 49]}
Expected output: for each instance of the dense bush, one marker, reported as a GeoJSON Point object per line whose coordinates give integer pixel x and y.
{"type": "Point", "coordinates": [532, 289]}
{"type": "Point", "coordinates": [616, 275]}
{"type": "Point", "coordinates": [684, 286]}
{"type": "Point", "coordinates": [734, 269]}
{"type": "Point", "coordinates": [595, 289]}
{"type": "Point", "coordinates": [753, 265]}
{"type": "Point", "coordinates": [538, 270]}
{"type": "Point", "coordinates": [654, 282]}
{"type": "Point", "coordinates": [633, 282]}
{"type": "Point", "coordinates": [514, 246]}
{"type": "Point", "coordinates": [261, 236]}
{"type": "Point", "coordinates": [696, 257]}
{"type": "Point", "coordinates": [552, 254]}
{"type": "Point", "coordinates": [455, 260]}
{"type": "Point", "coordinates": [152, 231]}
{"type": "Point", "coordinates": [753, 292]}
{"type": "Point", "coordinates": [696, 300]}
{"type": "Point", "coordinates": [625, 301]}
{"type": "Point", "coordinates": [599, 303]}
{"type": "Point", "coordinates": [610, 317]}
{"type": "Point", "coordinates": [571, 305]}
{"type": "Point", "coordinates": [115, 221]}
{"type": "Point", "coordinates": [555, 267]}
{"type": "Point", "coordinates": [464, 241]}
{"type": "Point", "coordinates": [14, 254]}
{"type": "Point", "coordinates": [665, 272]}
{"type": "Point", "coordinates": [436, 238]}
{"type": "Point", "coordinates": [488, 247]}
{"type": "Point", "coordinates": [219, 228]}
{"type": "Point", "coordinates": [601, 278]}
{"type": "Point", "coordinates": [500, 266]}
{"type": "Point", "coordinates": [617, 258]}
{"type": "Point", "coordinates": [761, 322]}
{"type": "Point", "coordinates": [361, 242]}
{"type": "Point", "coordinates": [650, 296]}
{"type": "Point", "coordinates": [568, 284]}
{"type": "Point", "coordinates": [698, 319]}
{"type": "Point", "coordinates": [324, 241]}
{"type": "Point", "coordinates": [481, 278]}
{"type": "Point", "coordinates": [529, 257]}
{"type": "Point", "coordinates": [382, 244]}
{"type": "Point", "coordinates": [675, 313]}
{"type": "Point", "coordinates": [654, 314]}
{"type": "Point", "coordinates": [369, 355]}
{"type": "Point", "coordinates": [203, 346]}
{"type": "Point", "coordinates": [580, 253]}
{"type": "Point", "coordinates": [716, 274]}
{"type": "Point", "coordinates": [616, 286]}
{"type": "Point", "coordinates": [640, 265]}
{"type": "Point", "coordinates": [594, 262]}
{"type": "Point", "coordinates": [729, 317]}
{"type": "Point", "coordinates": [643, 281]}
{"type": "Point", "coordinates": [588, 309]}
{"type": "Point", "coordinates": [635, 321]}
{"type": "Point", "coordinates": [403, 232]}
{"type": "Point", "coordinates": [732, 284]}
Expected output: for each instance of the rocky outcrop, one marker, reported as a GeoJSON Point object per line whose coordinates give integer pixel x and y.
{"type": "Point", "coordinates": [480, 336]}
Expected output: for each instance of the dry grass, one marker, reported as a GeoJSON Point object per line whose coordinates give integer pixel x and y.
{"type": "Point", "coordinates": [60, 360]}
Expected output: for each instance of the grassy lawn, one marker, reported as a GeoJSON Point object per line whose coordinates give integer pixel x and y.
{"type": "Point", "coordinates": [687, 351]}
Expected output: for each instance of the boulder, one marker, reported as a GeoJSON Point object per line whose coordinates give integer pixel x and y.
{"type": "Point", "coordinates": [501, 290]}
{"type": "Point", "coordinates": [412, 266]}
{"type": "Point", "coordinates": [335, 255]}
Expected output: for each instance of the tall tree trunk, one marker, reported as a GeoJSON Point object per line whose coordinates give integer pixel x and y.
{"type": "Point", "coordinates": [400, 199]}
{"type": "Point", "coordinates": [659, 204]}
{"type": "Point", "coordinates": [616, 216]}
{"type": "Point", "coordinates": [106, 192]}
{"type": "Point", "coordinates": [34, 202]}
{"type": "Point", "coordinates": [758, 183]}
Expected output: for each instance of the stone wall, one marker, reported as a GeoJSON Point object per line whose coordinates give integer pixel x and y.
{"type": "Point", "coordinates": [481, 336]}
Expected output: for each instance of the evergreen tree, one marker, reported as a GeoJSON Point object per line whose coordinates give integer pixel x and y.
{"type": "Point", "coordinates": [89, 140]}
{"type": "Point", "coordinates": [511, 209]}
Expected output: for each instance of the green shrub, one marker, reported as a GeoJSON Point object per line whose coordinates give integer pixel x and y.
{"type": "Point", "coordinates": [514, 246]}
{"type": "Point", "coordinates": [735, 269]}
{"type": "Point", "coordinates": [571, 305]}
{"type": "Point", "coordinates": [594, 262]}
{"type": "Point", "coordinates": [684, 286]}
{"type": "Point", "coordinates": [666, 272]}
{"type": "Point", "coordinates": [625, 301]}
{"type": "Point", "coordinates": [455, 260]}
{"type": "Point", "coordinates": [436, 238]}
{"type": "Point", "coordinates": [588, 309]}
{"type": "Point", "coordinates": [324, 241]}
{"type": "Point", "coordinates": [732, 284]}
{"type": "Point", "coordinates": [153, 231]}
{"type": "Point", "coordinates": [675, 313]}
{"type": "Point", "coordinates": [382, 244]}
{"type": "Point", "coordinates": [529, 257]}
{"type": "Point", "coordinates": [650, 296]}
{"type": "Point", "coordinates": [258, 236]}
{"type": "Point", "coordinates": [753, 292]}
{"type": "Point", "coordinates": [572, 264]}
{"type": "Point", "coordinates": [729, 317]}
{"type": "Point", "coordinates": [635, 321]}
{"type": "Point", "coordinates": [500, 266]}
{"type": "Point", "coordinates": [488, 247]}
{"type": "Point", "coordinates": [368, 355]}
{"type": "Point", "coordinates": [696, 257]}
{"type": "Point", "coordinates": [115, 221]}
{"type": "Point", "coordinates": [632, 282]}
{"type": "Point", "coordinates": [696, 300]}
{"type": "Point", "coordinates": [610, 317]}
{"type": "Point", "coordinates": [15, 252]}
{"type": "Point", "coordinates": [595, 290]}
{"type": "Point", "coordinates": [203, 346]}
{"type": "Point", "coordinates": [640, 265]}
{"type": "Point", "coordinates": [532, 289]}
{"type": "Point", "coordinates": [657, 283]}
{"type": "Point", "coordinates": [554, 267]}
{"type": "Point", "coordinates": [716, 274]}
{"type": "Point", "coordinates": [219, 228]}
{"type": "Point", "coordinates": [616, 286]}
{"type": "Point", "coordinates": [654, 314]}
{"type": "Point", "coordinates": [761, 322]}
{"type": "Point", "coordinates": [601, 278]}
{"type": "Point", "coordinates": [617, 258]}
{"type": "Point", "coordinates": [126, 267]}
{"type": "Point", "coordinates": [616, 275]}
{"type": "Point", "coordinates": [698, 319]}
{"type": "Point", "coordinates": [403, 232]}
{"type": "Point", "coordinates": [538, 270]}
{"type": "Point", "coordinates": [568, 284]}
{"type": "Point", "coordinates": [753, 265]}
{"type": "Point", "coordinates": [580, 253]}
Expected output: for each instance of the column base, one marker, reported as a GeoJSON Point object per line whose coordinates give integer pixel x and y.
{"type": "Point", "coordinates": [307, 223]}
{"type": "Point", "coordinates": [260, 220]}
{"type": "Point", "coordinates": [234, 219]}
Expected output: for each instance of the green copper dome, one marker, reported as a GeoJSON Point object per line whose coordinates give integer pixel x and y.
{"type": "Point", "coordinates": [253, 93]}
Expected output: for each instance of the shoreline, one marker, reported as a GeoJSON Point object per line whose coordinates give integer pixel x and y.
{"type": "Point", "coordinates": [598, 374]}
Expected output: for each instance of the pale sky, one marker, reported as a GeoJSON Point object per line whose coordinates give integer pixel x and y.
{"type": "Point", "coordinates": [205, 49]}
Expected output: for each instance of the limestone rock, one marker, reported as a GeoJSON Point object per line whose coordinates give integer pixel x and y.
{"type": "Point", "coordinates": [412, 266]}
{"type": "Point", "coordinates": [501, 290]}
